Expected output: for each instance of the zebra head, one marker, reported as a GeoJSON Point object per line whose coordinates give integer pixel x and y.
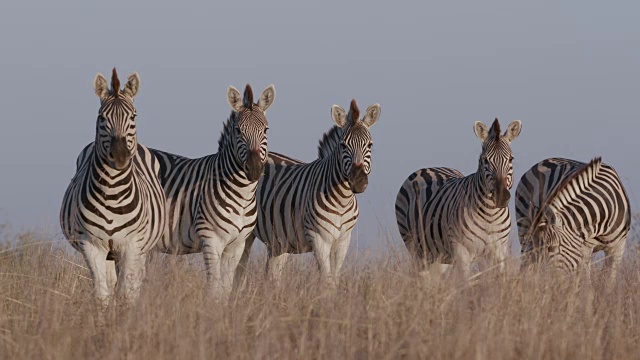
{"type": "Point", "coordinates": [116, 140]}
{"type": "Point", "coordinates": [250, 128]}
{"type": "Point", "coordinates": [549, 237]}
{"type": "Point", "coordinates": [543, 241]}
{"type": "Point", "coordinates": [496, 159]}
{"type": "Point", "coordinates": [356, 143]}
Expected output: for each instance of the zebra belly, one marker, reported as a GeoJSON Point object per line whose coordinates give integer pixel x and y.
{"type": "Point", "coordinates": [478, 238]}
{"type": "Point", "coordinates": [186, 235]}
{"type": "Point", "coordinates": [283, 235]}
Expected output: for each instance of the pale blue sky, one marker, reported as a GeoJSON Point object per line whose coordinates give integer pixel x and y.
{"type": "Point", "coordinates": [569, 71]}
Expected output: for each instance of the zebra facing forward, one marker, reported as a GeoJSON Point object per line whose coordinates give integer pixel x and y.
{"type": "Point", "coordinates": [307, 207]}
{"type": "Point", "coordinates": [114, 208]}
{"type": "Point", "coordinates": [446, 218]}
{"type": "Point", "coordinates": [211, 200]}
{"type": "Point", "coordinates": [566, 210]}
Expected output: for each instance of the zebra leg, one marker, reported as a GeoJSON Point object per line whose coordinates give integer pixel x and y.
{"type": "Point", "coordinates": [419, 262]}
{"type": "Point", "coordinates": [131, 269]}
{"type": "Point", "coordinates": [584, 268]}
{"type": "Point", "coordinates": [612, 262]}
{"type": "Point", "coordinates": [338, 253]}
{"type": "Point", "coordinates": [462, 261]}
{"type": "Point", "coordinates": [434, 271]}
{"type": "Point", "coordinates": [230, 258]}
{"type": "Point", "coordinates": [240, 277]}
{"type": "Point", "coordinates": [112, 276]}
{"type": "Point", "coordinates": [96, 260]}
{"type": "Point", "coordinates": [322, 253]}
{"type": "Point", "coordinates": [212, 250]}
{"type": "Point", "coordinates": [500, 252]}
{"type": "Point", "coordinates": [275, 265]}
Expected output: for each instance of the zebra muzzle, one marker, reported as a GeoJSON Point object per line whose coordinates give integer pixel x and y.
{"type": "Point", "coordinates": [501, 194]}
{"type": "Point", "coordinates": [254, 168]}
{"type": "Point", "coordinates": [119, 155]}
{"type": "Point", "coordinates": [358, 179]}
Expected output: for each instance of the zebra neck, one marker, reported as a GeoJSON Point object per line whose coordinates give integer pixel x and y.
{"type": "Point", "coordinates": [481, 193]}
{"type": "Point", "coordinates": [228, 166]}
{"type": "Point", "coordinates": [334, 179]}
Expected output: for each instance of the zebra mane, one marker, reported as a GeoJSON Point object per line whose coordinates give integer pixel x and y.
{"type": "Point", "coordinates": [330, 141]}
{"type": "Point", "coordinates": [495, 130]}
{"type": "Point", "coordinates": [585, 175]}
{"type": "Point", "coordinates": [225, 135]}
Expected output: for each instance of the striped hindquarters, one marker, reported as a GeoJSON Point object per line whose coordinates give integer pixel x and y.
{"type": "Point", "coordinates": [416, 194]}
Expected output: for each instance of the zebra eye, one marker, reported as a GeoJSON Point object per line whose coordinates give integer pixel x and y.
{"type": "Point", "coordinates": [266, 129]}
{"type": "Point", "coordinates": [369, 145]}
{"type": "Point", "coordinates": [511, 158]}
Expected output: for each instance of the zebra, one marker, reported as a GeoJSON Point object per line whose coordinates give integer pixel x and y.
{"type": "Point", "coordinates": [211, 202]}
{"type": "Point", "coordinates": [113, 211]}
{"type": "Point", "coordinates": [567, 210]}
{"type": "Point", "coordinates": [306, 207]}
{"type": "Point", "coordinates": [446, 218]}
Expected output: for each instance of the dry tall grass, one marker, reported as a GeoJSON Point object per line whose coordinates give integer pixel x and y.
{"type": "Point", "coordinates": [379, 311]}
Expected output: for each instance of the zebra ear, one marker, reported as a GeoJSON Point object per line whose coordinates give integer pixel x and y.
{"type": "Point", "coordinates": [267, 97]}
{"type": "Point", "coordinates": [551, 217]}
{"type": "Point", "coordinates": [371, 115]}
{"type": "Point", "coordinates": [481, 130]}
{"type": "Point", "coordinates": [101, 86]}
{"type": "Point", "coordinates": [513, 130]}
{"type": "Point", "coordinates": [234, 98]}
{"type": "Point", "coordinates": [338, 115]}
{"type": "Point", "coordinates": [132, 86]}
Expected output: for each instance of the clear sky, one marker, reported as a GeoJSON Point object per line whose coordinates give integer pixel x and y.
{"type": "Point", "coordinates": [569, 70]}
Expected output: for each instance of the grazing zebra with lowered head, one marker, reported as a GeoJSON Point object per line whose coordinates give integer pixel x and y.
{"type": "Point", "coordinates": [211, 200]}
{"type": "Point", "coordinates": [567, 210]}
{"type": "Point", "coordinates": [114, 208]}
{"type": "Point", "coordinates": [446, 218]}
{"type": "Point", "coordinates": [307, 207]}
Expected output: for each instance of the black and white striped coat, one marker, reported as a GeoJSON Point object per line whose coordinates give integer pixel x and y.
{"type": "Point", "coordinates": [306, 207]}
{"type": "Point", "coordinates": [566, 210]}
{"type": "Point", "coordinates": [446, 218]}
{"type": "Point", "coordinates": [211, 200]}
{"type": "Point", "coordinates": [114, 207]}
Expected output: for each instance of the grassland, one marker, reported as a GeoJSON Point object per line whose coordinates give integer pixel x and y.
{"type": "Point", "coordinates": [380, 311]}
